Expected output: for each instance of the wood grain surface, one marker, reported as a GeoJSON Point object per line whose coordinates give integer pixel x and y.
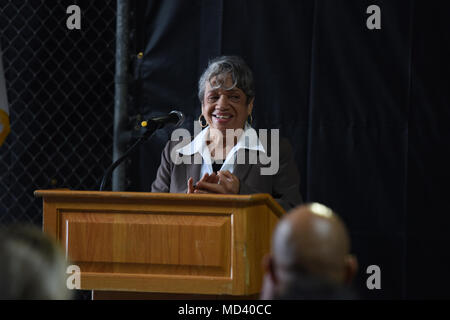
{"type": "Point", "coordinates": [163, 243]}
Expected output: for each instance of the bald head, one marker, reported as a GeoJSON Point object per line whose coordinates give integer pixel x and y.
{"type": "Point", "coordinates": [312, 240]}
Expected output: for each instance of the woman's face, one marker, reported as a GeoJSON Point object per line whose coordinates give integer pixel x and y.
{"type": "Point", "coordinates": [225, 109]}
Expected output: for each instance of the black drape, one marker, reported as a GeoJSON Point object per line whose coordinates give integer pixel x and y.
{"type": "Point", "coordinates": [365, 110]}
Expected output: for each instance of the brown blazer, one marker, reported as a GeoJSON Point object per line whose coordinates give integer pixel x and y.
{"type": "Point", "coordinates": [283, 186]}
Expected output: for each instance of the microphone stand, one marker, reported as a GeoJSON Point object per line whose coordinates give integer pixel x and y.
{"type": "Point", "coordinates": [151, 130]}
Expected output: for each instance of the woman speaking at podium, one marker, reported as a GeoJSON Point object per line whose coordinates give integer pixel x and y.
{"type": "Point", "coordinates": [227, 156]}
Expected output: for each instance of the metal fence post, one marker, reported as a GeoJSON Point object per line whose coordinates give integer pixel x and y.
{"type": "Point", "coordinates": [121, 91]}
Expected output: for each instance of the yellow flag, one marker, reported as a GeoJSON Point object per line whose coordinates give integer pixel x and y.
{"type": "Point", "coordinates": [4, 110]}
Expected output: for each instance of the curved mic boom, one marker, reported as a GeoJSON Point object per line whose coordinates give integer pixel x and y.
{"type": "Point", "coordinates": [153, 124]}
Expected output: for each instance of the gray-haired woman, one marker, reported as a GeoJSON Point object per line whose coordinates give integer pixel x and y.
{"type": "Point", "coordinates": [227, 94]}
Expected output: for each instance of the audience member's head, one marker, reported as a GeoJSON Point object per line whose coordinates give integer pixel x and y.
{"type": "Point", "coordinates": [307, 287]}
{"type": "Point", "coordinates": [32, 266]}
{"type": "Point", "coordinates": [310, 252]}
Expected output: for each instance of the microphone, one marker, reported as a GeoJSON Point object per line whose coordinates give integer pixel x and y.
{"type": "Point", "coordinates": [153, 124]}
{"type": "Point", "coordinates": [174, 117]}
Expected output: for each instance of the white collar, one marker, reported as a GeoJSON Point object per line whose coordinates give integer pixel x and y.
{"type": "Point", "coordinates": [248, 140]}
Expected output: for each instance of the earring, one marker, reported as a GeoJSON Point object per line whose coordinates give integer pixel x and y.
{"type": "Point", "coordinates": [201, 122]}
{"type": "Point", "coordinates": [250, 119]}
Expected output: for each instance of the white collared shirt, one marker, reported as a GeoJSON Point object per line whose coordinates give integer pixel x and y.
{"type": "Point", "coordinates": [248, 140]}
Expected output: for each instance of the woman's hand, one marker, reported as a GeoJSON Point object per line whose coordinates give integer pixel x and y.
{"type": "Point", "coordinates": [227, 183]}
{"type": "Point", "coordinates": [209, 178]}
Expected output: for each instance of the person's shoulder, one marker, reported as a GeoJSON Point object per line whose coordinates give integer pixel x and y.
{"type": "Point", "coordinates": [282, 143]}
{"type": "Point", "coordinates": [179, 143]}
{"type": "Point", "coordinates": [285, 143]}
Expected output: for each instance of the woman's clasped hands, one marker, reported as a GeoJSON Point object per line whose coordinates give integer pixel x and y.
{"type": "Point", "coordinates": [224, 182]}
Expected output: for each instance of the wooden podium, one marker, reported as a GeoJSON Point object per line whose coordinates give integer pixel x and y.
{"type": "Point", "coordinates": [161, 244]}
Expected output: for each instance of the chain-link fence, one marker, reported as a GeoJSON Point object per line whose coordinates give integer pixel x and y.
{"type": "Point", "coordinates": [60, 86]}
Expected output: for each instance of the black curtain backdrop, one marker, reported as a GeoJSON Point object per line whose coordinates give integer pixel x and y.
{"type": "Point", "coordinates": [366, 111]}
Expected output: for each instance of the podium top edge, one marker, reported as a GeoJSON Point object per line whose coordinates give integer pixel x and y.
{"type": "Point", "coordinates": [242, 199]}
{"type": "Point", "coordinates": [145, 195]}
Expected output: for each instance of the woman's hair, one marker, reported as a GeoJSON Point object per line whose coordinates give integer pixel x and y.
{"type": "Point", "coordinates": [219, 68]}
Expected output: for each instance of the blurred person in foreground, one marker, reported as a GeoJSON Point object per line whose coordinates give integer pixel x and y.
{"type": "Point", "coordinates": [211, 162]}
{"type": "Point", "coordinates": [310, 257]}
{"type": "Point", "coordinates": [32, 266]}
